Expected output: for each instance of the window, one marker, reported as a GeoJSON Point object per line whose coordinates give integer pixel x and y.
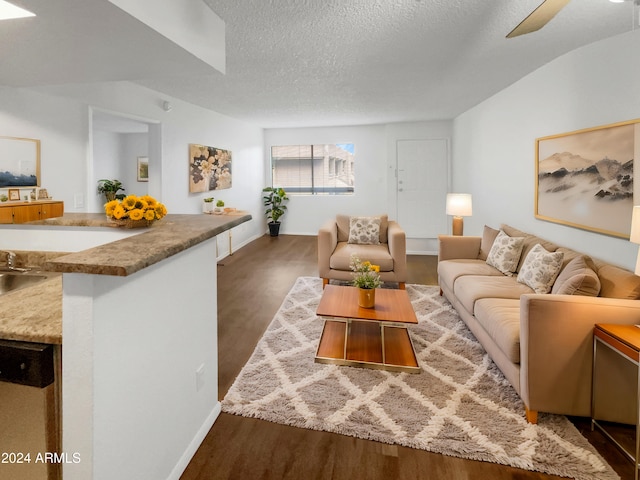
{"type": "Point", "coordinates": [313, 169]}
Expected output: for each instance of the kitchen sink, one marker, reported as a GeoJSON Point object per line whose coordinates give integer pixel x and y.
{"type": "Point", "coordinates": [10, 281]}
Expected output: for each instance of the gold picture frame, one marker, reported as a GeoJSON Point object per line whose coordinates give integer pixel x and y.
{"type": "Point", "coordinates": [584, 178]}
{"type": "Point", "coordinates": [143, 169]}
{"type": "Point", "coordinates": [14, 194]}
{"type": "Point", "coordinates": [19, 162]}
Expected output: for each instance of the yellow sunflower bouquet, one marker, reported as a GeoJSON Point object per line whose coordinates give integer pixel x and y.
{"type": "Point", "coordinates": [135, 211]}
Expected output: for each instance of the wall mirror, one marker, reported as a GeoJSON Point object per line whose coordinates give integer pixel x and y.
{"type": "Point", "coordinates": [19, 162]}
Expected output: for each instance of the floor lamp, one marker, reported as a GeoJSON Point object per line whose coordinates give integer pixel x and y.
{"type": "Point", "coordinates": [635, 233]}
{"type": "Point", "coordinates": [458, 205]}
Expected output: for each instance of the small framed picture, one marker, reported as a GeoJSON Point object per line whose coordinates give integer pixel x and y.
{"type": "Point", "coordinates": [14, 194]}
{"type": "Point", "coordinates": [43, 194]}
{"type": "Point", "coordinates": [143, 169]}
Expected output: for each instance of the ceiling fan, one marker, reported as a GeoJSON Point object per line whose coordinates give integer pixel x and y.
{"type": "Point", "coordinates": [544, 13]}
{"type": "Point", "coordinates": [539, 17]}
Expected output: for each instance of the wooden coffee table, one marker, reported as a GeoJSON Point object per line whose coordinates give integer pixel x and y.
{"type": "Point", "coordinates": [367, 337]}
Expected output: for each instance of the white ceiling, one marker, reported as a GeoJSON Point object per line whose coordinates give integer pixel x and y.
{"type": "Point", "coordinates": [309, 62]}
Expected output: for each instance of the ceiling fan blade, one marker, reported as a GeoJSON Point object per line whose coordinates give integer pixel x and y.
{"type": "Point", "coordinates": [539, 17]}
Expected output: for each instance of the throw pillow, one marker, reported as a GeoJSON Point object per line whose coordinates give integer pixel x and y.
{"type": "Point", "coordinates": [488, 237]}
{"type": "Point", "coordinates": [364, 230]}
{"type": "Point", "coordinates": [540, 269]}
{"type": "Point", "coordinates": [505, 253]}
{"type": "Point", "coordinates": [577, 278]}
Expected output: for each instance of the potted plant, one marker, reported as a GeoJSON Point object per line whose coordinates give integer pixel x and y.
{"type": "Point", "coordinates": [208, 205]}
{"type": "Point", "coordinates": [219, 207]}
{"type": "Point", "coordinates": [274, 199]}
{"type": "Point", "coordinates": [367, 278]}
{"type": "Point", "coordinates": [110, 189]}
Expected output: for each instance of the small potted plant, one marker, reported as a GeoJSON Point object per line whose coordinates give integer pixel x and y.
{"type": "Point", "coordinates": [110, 189]}
{"type": "Point", "coordinates": [367, 278]}
{"type": "Point", "coordinates": [274, 199]}
{"type": "Point", "coordinates": [219, 207]}
{"type": "Point", "coordinates": [207, 207]}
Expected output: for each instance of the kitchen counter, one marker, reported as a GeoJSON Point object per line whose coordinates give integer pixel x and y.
{"type": "Point", "coordinates": [34, 314]}
{"type": "Point", "coordinates": [166, 237]}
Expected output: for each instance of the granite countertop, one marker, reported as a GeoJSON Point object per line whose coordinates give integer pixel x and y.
{"type": "Point", "coordinates": [166, 237]}
{"type": "Point", "coordinates": [34, 314]}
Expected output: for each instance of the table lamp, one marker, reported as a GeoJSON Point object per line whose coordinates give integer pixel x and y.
{"type": "Point", "coordinates": [459, 205]}
{"type": "Point", "coordinates": [635, 233]}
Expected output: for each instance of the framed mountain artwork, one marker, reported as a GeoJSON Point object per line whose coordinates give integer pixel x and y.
{"type": "Point", "coordinates": [19, 162]}
{"type": "Point", "coordinates": [584, 179]}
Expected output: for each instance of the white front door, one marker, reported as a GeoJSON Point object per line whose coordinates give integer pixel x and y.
{"type": "Point", "coordinates": [423, 173]}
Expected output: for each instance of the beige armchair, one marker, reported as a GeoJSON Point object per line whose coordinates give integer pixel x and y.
{"type": "Point", "coordinates": [335, 250]}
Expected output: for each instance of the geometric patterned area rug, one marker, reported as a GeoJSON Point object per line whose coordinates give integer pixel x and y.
{"type": "Point", "coordinates": [459, 405]}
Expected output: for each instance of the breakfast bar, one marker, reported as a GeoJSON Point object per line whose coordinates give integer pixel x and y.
{"type": "Point", "coordinates": [138, 334]}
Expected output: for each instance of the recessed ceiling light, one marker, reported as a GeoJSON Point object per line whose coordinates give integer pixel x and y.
{"type": "Point", "coordinates": [617, 1]}
{"type": "Point", "coordinates": [9, 10]}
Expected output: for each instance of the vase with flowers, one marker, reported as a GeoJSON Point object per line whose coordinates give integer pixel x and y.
{"type": "Point", "coordinates": [133, 211]}
{"type": "Point", "coordinates": [367, 278]}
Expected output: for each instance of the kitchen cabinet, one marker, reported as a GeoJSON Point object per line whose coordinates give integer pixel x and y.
{"type": "Point", "coordinates": [21, 212]}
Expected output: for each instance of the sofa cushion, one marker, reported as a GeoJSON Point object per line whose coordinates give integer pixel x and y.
{"type": "Point", "coordinates": [470, 288]}
{"type": "Point", "coordinates": [500, 318]}
{"type": "Point", "coordinates": [570, 255]}
{"type": "Point", "coordinates": [505, 253]}
{"type": "Point", "coordinates": [488, 236]}
{"type": "Point", "coordinates": [618, 283]}
{"type": "Point", "coordinates": [342, 222]}
{"type": "Point", "coordinates": [528, 243]}
{"type": "Point", "coordinates": [577, 278]}
{"type": "Point", "coordinates": [376, 254]}
{"type": "Point", "coordinates": [540, 269]}
{"type": "Point", "coordinates": [450, 270]}
{"type": "Point", "coordinates": [364, 230]}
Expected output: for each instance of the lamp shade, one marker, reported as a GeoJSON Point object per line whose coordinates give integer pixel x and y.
{"type": "Point", "coordinates": [459, 204]}
{"type": "Point", "coordinates": [635, 225]}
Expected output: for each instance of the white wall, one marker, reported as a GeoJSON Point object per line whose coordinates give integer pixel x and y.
{"type": "Point", "coordinates": [106, 161]}
{"type": "Point", "coordinates": [140, 369]}
{"type": "Point", "coordinates": [60, 118]}
{"type": "Point", "coordinates": [375, 166]}
{"type": "Point", "coordinates": [61, 127]}
{"type": "Point", "coordinates": [134, 145]}
{"type": "Point", "coordinates": [115, 156]}
{"type": "Point", "coordinates": [494, 142]}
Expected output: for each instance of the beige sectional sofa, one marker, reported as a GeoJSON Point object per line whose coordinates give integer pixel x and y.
{"type": "Point", "coordinates": [542, 342]}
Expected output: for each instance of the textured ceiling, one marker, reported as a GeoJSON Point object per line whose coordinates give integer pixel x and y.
{"type": "Point", "coordinates": [312, 62]}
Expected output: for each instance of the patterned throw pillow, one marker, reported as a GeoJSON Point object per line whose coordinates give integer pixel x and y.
{"type": "Point", "coordinates": [505, 253]}
{"type": "Point", "coordinates": [364, 230]}
{"type": "Point", "coordinates": [540, 269]}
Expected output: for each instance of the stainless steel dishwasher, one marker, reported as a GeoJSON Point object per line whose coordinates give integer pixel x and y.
{"type": "Point", "coordinates": [29, 418]}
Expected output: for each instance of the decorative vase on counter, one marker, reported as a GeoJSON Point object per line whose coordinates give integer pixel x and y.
{"type": "Point", "coordinates": [367, 297]}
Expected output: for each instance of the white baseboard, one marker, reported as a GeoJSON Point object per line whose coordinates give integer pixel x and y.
{"type": "Point", "coordinates": [186, 457]}
{"type": "Point", "coordinates": [238, 247]}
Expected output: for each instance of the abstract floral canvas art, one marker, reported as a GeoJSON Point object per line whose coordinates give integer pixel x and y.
{"type": "Point", "coordinates": [209, 168]}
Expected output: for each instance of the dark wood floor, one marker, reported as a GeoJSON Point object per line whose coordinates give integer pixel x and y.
{"type": "Point", "coordinates": [251, 286]}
